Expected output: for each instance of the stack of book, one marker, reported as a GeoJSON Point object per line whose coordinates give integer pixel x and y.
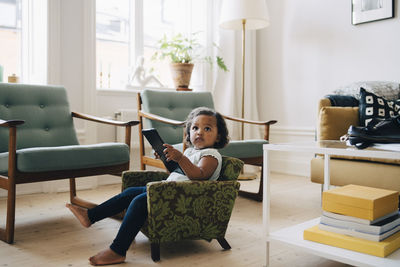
{"type": "Point", "coordinates": [359, 218]}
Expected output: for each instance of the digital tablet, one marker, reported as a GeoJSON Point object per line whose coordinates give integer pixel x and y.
{"type": "Point", "coordinates": [156, 142]}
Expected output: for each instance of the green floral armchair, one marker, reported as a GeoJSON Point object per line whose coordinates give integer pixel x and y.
{"type": "Point", "coordinates": [187, 210]}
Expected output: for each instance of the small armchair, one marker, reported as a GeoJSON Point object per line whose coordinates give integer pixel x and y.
{"type": "Point", "coordinates": [187, 210]}
{"type": "Point", "coordinates": [166, 111]}
{"type": "Point", "coordinates": [38, 143]}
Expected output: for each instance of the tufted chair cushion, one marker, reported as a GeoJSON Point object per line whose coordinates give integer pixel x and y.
{"type": "Point", "coordinates": [177, 105]}
{"type": "Point", "coordinates": [173, 105]}
{"type": "Point", "coordinates": [46, 113]}
{"type": "Point", "coordinates": [47, 140]}
{"type": "Point", "coordinates": [42, 159]}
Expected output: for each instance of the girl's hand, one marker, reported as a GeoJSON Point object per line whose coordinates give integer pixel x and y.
{"type": "Point", "coordinates": [156, 155]}
{"type": "Point", "coordinates": [172, 154]}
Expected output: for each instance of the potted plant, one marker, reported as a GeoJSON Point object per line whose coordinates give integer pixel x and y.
{"type": "Point", "coordinates": [183, 52]}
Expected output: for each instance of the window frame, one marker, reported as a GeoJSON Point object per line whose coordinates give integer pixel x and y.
{"type": "Point", "coordinates": [31, 68]}
{"type": "Point", "coordinates": [136, 47]}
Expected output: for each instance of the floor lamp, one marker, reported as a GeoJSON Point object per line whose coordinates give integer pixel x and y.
{"type": "Point", "coordinates": [244, 15]}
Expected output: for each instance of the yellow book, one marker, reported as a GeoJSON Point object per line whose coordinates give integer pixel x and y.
{"type": "Point", "coordinates": [380, 249]}
{"type": "Point", "coordinates": [360, 201]}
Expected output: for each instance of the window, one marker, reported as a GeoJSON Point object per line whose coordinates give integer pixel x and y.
{"type": "Point", "coordinates": [22, 53]}
{"type": "Point", "coordinates": [128, 29]}
{"type": "Point", "coordinates": [10, 36]}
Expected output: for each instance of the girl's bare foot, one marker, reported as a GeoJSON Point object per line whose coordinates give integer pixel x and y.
{"type": "Point", "coordinates": [106, 257]}
{"type": "Point", "coordinates": [81, 214]}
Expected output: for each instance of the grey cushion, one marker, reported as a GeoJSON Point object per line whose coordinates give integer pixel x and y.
{"type": "Point", "coordinates": [177, 105]}
{"type": "Point", "coordinates": [173, 105]}
{"type": "Point", "coordinates": [47, 140]}
{"type": "Point", "coordinates": [46, 113]}
{"type": "Point", "coordinates": [388, 90]}
{"type": "Point", "coordinates": [67, 157]}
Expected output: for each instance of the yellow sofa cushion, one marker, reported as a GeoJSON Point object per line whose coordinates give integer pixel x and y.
{"type": "Point", "coordinates": [335, 121]}
{"type": "Point", "coordinates": [357, 172]}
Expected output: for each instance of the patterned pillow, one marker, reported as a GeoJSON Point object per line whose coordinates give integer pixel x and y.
{"type": "Point", "coordinates": [373, 106]}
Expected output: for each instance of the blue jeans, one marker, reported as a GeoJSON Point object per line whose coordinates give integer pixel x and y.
{"type": "Point", "coordinates": [134, 200]}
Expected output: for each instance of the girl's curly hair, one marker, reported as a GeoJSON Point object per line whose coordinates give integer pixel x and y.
{"type": "Point", "coordinates": [221, 125]}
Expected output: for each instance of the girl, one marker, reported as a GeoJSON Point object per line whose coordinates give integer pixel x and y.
{"type": "Point", "coordinates": [205, 132]}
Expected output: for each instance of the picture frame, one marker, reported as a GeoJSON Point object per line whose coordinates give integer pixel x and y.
{"type": "Point", "coordinates": [363, 11]}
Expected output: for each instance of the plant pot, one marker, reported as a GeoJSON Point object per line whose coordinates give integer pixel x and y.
{"type": "Point", "coordinates": [181, 74]}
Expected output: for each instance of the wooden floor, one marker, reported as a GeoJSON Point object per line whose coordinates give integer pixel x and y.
{"type": "Point", "coordinates": [48, 235]}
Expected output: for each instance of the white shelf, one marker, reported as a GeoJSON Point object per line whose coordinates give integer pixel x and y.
{"type": "Point", "coordinates": [293, 236]}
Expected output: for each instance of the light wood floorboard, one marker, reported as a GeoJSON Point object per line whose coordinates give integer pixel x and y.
{"type": "Point", "coordinates": [47, 234]}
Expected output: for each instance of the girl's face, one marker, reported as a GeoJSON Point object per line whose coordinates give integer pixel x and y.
{"type": "Point", "coordinates": [204, 131]}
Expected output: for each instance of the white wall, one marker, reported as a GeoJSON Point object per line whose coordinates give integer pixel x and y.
{"type": "Point", "coordinates": [310, 48]}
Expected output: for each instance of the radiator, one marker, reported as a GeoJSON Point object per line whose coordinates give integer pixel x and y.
{"type": "Point", "coordinates": [127, 115]}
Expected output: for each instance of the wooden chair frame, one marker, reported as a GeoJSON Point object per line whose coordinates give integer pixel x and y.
{"type": "Point", "coordinates": [146, 160]}
{"type": "Point", "coordinates": [15, 177]}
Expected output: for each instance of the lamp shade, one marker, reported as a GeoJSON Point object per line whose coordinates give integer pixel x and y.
{"type": "Point", "coordinates": [233, 12]}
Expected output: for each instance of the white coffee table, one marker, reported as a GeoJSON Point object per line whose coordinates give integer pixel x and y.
{"type": "Point", "coordinates": [294, 235]}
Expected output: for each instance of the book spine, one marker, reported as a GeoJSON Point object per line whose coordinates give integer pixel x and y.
{"type": "Point", "coordinates": [369, 229]}
{"type": "Point", "coordinates": [349, 232]}
{"type": "Point", "coordinates": [380, 249]}
{"type": "Point", "coordinates": [358, 212]}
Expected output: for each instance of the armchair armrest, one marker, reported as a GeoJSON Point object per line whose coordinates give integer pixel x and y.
{"type": "Point", "coordinates": [102, 120]}
{"type": "Point", "coordinates": [11, 123]}
{"type": "Point", "coordinates": [141, 178]}
{"type": "Point", "coordinates": [151, 116]}
{"type": "Point", "coordinates": [265, 123]}
{"type": "Point", "coordinates": [249, 121]}
{"type": "Point", "coordinates": [127, 125]}
{"type": "Point", "coordinates": [12, 145]}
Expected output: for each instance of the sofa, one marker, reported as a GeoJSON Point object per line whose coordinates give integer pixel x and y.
{"type": "Point", "coordinates": [351, 105]}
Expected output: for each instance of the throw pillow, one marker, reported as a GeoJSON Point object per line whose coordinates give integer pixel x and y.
{"type": "Point", "coordinates": [373, 106]}
{"type": "Point", "coordinates": [388, 90]}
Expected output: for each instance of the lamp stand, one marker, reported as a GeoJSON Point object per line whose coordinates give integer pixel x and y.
{"type": "Point", "coordinates": [243, 175]}
{"type": "Point", "coordinates": [243, 62]}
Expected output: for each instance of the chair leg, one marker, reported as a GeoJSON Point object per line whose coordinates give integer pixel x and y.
{"type": "Point", "coordinates": [255, 196]}
{"type": "Point", "coordinates": [76, 200]}
{"type": "Point", "coordinates": [155, 251]}
{"type": "Point", "coordinates": [224, 244]}
{"type": "Point", "coordinates": [7, 234]}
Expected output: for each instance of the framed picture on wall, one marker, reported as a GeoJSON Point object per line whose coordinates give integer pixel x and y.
{"type": "Point", "coordinates": [371, 10]}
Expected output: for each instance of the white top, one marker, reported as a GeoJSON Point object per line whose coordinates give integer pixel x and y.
{"type": "Point", "coordinates": [194, 155]}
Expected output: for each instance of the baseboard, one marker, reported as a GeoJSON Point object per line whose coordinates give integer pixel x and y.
{"type": "Point", "coordinates": [298, 167]}
{"type": "Point", "coordinates": [289, 162]}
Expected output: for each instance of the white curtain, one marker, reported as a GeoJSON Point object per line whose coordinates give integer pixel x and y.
{"type": "Point", "coordinates": [227, 85]}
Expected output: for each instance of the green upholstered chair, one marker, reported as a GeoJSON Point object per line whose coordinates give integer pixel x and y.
{"type": "Point", "coordinates": [166, 111]}
{"type": "Point", "coordinates": [38, 143]}
{"type": "Point", "coordinates": [187, 210]}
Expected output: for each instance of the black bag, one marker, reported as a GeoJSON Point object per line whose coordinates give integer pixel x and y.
{"type": "Point", "coordinates": [377, 131]}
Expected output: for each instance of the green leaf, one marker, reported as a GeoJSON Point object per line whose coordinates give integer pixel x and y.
{"type": "Point", "coordinates": [221, 64]}
{"type": "Point", "coordinates": [185, 49]}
